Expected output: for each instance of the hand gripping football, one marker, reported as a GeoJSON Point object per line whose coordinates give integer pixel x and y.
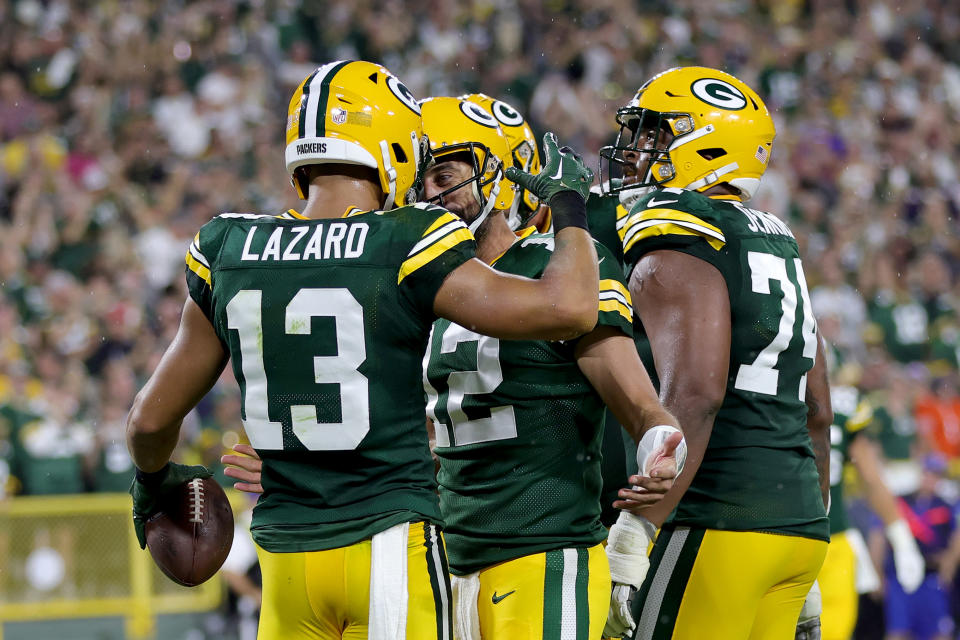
{"type": "Point", "coordinates": [190, 537]}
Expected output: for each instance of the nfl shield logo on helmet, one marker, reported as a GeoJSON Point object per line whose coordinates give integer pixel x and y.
{"type": "Point", "coordinates": [338, 115]}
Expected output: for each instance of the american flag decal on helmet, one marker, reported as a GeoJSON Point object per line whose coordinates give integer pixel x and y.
{"type": "Point", "coordinates": [762, 154]}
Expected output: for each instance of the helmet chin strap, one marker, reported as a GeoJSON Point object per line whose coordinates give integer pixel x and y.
{"type": "Point", "coordinates": [712, 177]}
{"type": "Point", "coordinates": [391, 173]}
{"type": "Point", "coordinates": [513, 215]}
{"type": "Point", "coordinates": [487, 208]}
{"type": "Point", "coordinates": [629, 197]}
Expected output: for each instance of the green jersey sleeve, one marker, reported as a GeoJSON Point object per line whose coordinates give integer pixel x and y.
{"type": "Point", "coordinates": [616, 307]}
{"type": "Point", "coordinates": [607, 218]}
{"type": "Point", "coordinates": [444, 243]}
{"type": "Point", "coordinates": [200, 254]}
{"type": "Point", "coordinates": [671, 219]}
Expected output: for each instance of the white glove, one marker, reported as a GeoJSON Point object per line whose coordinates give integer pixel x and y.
{"type": "Point", "coordinates": [808, 624]}
{"type": "Point", "coordinates": [907, 559]}
{"type": "Point", "coordinates": [619, 620]}
{"type": "Point", "coordinates": [627, 554]}
{"type": "Point", "coordinates": [813, 605]}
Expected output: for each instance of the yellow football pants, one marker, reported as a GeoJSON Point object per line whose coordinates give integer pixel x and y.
{"type": "Point", "coordinates": [325, 595]}
{"type": "Point", "coordinates": [556, 595]}
{"type": "Point", "coordinates": [725, 585]}
{"type": "Point", "coordinates": [838, 588]}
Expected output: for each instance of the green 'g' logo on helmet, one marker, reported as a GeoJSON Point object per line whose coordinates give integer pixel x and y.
{"type": "Point", "coordinates": [718, 93]}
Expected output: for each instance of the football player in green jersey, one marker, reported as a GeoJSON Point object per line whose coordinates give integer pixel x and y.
{"type": "Point", "coordinates": [325, 317]}
{"type": "Point", "coordinates": [720, 291]}
{"type": "Point", "coordinates": [840, 577]}
{"type": "Point", "coordinates": [518, 423]}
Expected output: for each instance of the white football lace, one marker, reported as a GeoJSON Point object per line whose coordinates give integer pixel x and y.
{"type": "Point", "coordinates": [196, 500]}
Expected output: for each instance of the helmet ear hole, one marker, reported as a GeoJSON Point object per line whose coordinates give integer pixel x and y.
{"type": "Point", "coordinates": [398, 152]}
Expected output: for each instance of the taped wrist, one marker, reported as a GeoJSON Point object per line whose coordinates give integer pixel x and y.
{"type": "Point", "coordinates": [568, 209]}
{"type": "Point", "coordinates": [652, 440]}
{"type": "Point", "coordinates": [153, 479]}
{"type": "Point", "coordinates": [627, 548]}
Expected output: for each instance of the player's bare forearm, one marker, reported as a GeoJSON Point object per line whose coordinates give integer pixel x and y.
{"type": "Point", "coordinates": [188, 369]}
{"type": "Point", "coordinates": [609, 360]}
{"type": "Point", "coordinates": [820, 417]}
{"type": "Point", "coordinates": [821, 452]}
{"type": "Point", "coordinates": [572, 274]}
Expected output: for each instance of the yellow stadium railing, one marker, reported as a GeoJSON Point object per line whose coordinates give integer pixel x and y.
{"type": "Point", "coordinates": [76, 556]}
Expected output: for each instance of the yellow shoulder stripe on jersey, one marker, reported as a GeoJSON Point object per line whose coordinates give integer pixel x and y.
{"type": "Point", "coordinates": [446, 218]}
{"type": "Point", "coordinates": [352, 211]}
{"type": "Point", "coordinates": [525, 232]}
{"type": "Point", "coordinates": [861, 418]}
{"type": "Point", "coordinates": [615, 297]}
{"type": "Point", "coordinates": [296, 214]}
{"type": "Point", "coordinates": [660, 222]}
{"type": "Point", "coordinates": [616, 305]}
{"type": "Point", "coordinates": [445, 233]}
{"type": "Point", "coordinates": [197, 262]}
{"type": "Point", "coordinates": [616, 286]}
{"type": "Point", "coordinates": [202, 272]}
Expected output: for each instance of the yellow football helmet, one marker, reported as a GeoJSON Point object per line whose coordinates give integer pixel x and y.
{"type": "Point", "coordinates": [454, 125]}
{"type": "Point", "coordinates": [355, 112]}
{"type": "Point", "coordinates": [523, 149]}
{"type": "Point", "coordinates": [717, 130]}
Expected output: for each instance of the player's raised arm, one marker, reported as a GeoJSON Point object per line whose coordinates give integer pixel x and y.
{"type": "Point", "coordinates": [559, 305]}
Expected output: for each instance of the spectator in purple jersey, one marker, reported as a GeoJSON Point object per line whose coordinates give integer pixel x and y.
{"type": "Point", "coordinates": [925, 613]}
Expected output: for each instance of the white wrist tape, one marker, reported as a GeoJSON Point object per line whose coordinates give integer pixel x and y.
{"type": "Point", "coordinates": [652, 440]}
{"type": "Point", "coordinates": [627, 548]}
{"type": "Point", "coordinates": [899, 535]}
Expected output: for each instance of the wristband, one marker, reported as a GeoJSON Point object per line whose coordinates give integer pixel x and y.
{"type": "Point", "coordinates": [153, 479]}
{"type": "Point", "coordinates": [568, 209]}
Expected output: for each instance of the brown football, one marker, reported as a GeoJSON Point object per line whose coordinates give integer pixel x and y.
{"type": "Point", "coordinates": [191, 536]}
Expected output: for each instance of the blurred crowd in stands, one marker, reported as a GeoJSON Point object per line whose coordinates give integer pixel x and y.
{"type": "Point", "coordinates": [126, 125]}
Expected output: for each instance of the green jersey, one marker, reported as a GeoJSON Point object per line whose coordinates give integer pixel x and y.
{"type": "Point", "coordinates": [606, 217]}
{"type": "Point", "coordinates": [759, 472]}
{"type": "Point", "coordinates": [904, 323]}
{"type": "Point", "coordinates": [518, 430]}
{"type": "Point", "coordinates": [851, 416]}
{"type": "Point", "coordinates": [326, 322]}
{"type": "Point", "coordinates": [896, 432]}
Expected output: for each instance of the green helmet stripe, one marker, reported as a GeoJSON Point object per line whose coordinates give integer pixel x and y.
{"type": "Point", "coordinates": [324, 95]}
{"type": "Point", "coordinates": [303, 105]}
